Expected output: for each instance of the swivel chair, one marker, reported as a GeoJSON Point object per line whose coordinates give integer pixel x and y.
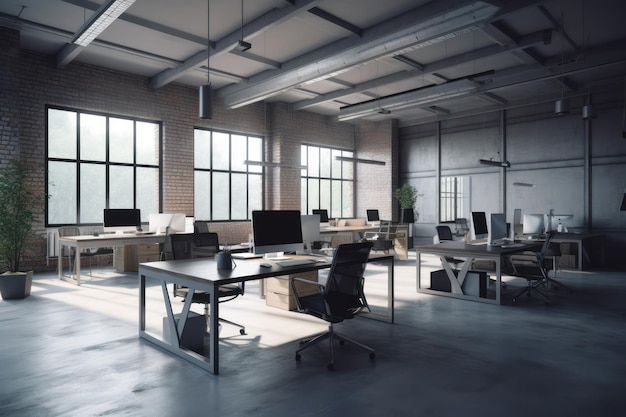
{"type": "Point", "coordinates": [182, 248]}
{"type": "Point", "coordinates": [341, 298]}
{"type": "Point", "coordinates": [535, 272]}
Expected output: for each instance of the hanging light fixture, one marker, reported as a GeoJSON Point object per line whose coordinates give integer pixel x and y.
{"type": "Point", "coordinates": [206, 92]}
{"type": "Point", "coordinates": [561, 106]}
{"type": "Point", "coordinates": [241, 44]}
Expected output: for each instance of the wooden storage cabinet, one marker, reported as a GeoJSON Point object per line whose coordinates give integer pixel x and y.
{"type": "Point", "coordinates": [127, 258]}
{"type": "Point", "coordinates": [279, 292]}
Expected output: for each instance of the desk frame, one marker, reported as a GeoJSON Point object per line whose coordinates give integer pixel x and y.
{"type": "Point", "coordinates": [202, 274]}
{"type": "Point", "coordinates": [101, 241]}
{"type": "Point", "coordinates": [469, 253]}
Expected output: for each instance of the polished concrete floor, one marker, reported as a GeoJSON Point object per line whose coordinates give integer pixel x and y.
{"type": "Point", "coordinates": [75, 351]}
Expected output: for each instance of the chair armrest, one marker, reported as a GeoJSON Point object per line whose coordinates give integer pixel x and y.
{"type": "Point", "coordinates": [292, 283]}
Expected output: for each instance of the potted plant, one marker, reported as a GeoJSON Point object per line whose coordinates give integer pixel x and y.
{"type": "Point", "coordinates": [17, 214]}
{"type": "Point", "coordinates": [407, 196]}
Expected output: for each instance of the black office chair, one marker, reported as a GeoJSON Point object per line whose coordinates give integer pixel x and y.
{"type": "Point", "coordinates": [534, 271]}
{"type": "Point", "coordinates": [183, 248]}
{"type": "Point", "coordinates": [383, 239]}
{"type": "Point", "coordinates": [200, 226]}
{"type": "Point", "coordinates": [341, 298]}
{"type": "Point", "coordinates": [445, 233]}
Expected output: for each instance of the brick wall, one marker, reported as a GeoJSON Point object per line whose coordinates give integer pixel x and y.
{"type": "Point", "coordinates": [31, 81]}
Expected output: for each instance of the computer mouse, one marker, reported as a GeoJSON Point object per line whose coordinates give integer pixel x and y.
{"type": "Point", "coordinates": [265, 265]}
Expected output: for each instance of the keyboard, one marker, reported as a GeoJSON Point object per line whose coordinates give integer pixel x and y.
{"type": "Point", "coordinates": [296, 262]}
{"type": "Point", "coordinates": [512, 245]}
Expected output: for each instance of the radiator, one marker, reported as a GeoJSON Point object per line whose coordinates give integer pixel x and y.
{"type": "Point", "coordinates": [52, 239]}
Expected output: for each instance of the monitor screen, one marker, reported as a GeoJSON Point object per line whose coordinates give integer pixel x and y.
{"type": "Point", "coordinates": [479, 220]}
{"type": "Point", "coordinates": [122, 220]}
{"type": "Point", "coordinates": [372, 216]}
{"type": "Point", "coordinates": [532, 224]}
{"type": "Point", "coordinates": [323, 213]}
{"type": "Point", "coordinates": [310, 230]}
{"type": "Point", "coordinates": [498, 229]}
{"type": "Point", "coordinates": [277, 231]}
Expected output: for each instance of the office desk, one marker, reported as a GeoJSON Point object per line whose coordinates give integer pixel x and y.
{"type": "Point", "coordinates": [400, 240]}
{"type": "Point", "coordinates": [202, 274]}
{"type": "Point", "coordinates": [468, 252]}
{"type": "Point", "coordinates": [101, 241]}
{"type": "Point", "coordinates": [590, 247]}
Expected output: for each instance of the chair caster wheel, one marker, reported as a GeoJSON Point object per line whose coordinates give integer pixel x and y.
{"type": "Point", "coordinates": [372, 356]}
{"type": "Point", "coordinates": [298, 357]}
{"type": "Point", "coordinates": [331, 367]}
{"type": "Point", "coordinates": [242, 331]}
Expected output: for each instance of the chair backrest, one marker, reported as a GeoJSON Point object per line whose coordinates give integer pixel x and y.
{"type": "Point", "coordinates": [200, 227]}
{"type": "Point", "coordinates": [345, 278]}
{"type": "Point", "coordinates": [545, 247]}
{"type": "Point", "coordinates": [182, 245]}
{"type": "Point", "coordinates": [461, 225]}
{"type": "Point", "coordinates": [444, 232]}
{"type": "Point", "coordinates": [209, 241]}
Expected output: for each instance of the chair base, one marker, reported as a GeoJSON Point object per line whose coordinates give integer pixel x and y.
{"type": "Point", "coordinates": [331, 335]}
{"type": "Point", "coordinates": [530, 290]}
{"type": "Point", "coordinates": [242, 329]}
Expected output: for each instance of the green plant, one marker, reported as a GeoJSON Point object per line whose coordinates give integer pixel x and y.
{"type": "Point", "coordinates": [17, 213]}
{"type": "Point", "coordinates": [406, 196]}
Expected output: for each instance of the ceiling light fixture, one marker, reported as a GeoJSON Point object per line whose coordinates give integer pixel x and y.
{"type": "Point", "coordinates": [242, 45]}
{"type": "Point", "coordinates": [100, 20]}
{"type": "Point", "coordinates": [274, 164]}
{"type": "Point", "coordinates": [416, 97]}
{"type": "Point", "coordinates": [205, 107]}
{"type": "Point", "coordinates": [359, 160]}
{"type": "Point", "coordinates": [561, 106]}
{"type": "Point", "coordinates": [523, 184]}
{"type": "Point", "coordinates": [490, 162]}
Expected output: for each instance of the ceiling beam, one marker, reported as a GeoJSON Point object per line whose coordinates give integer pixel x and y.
{"type": "Point", "coordinates": [337, 21]}
{"type": "Point", "coordinates": [430, 69]}
{"type": "Point", "coordinates": [416, 28]}
{"type": "Point", "coordinates": [228, 42]}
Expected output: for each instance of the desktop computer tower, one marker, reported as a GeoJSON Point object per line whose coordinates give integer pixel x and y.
{"type": "Point", "coordinates": [193, 335]}
{"type": "Point", "coordinates": [475, 283]}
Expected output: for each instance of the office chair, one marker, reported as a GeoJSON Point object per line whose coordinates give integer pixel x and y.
{"type": "Point", "coordinates": [341, 298]}
{"type": "Point", "coordinates": [535, 272]}
{"type": "Point", "coordinates": [461, 226]}
{"type": "Point", "coordinates": [445, 233]}
{"type": "Point", "coordinates": [383, 239]}
{"type": "Point", "coordinates": [200, 226]}
{"type": "Point", "coordinates": [71, 252]}
{"type": "Point", "coordinates": [182, 248]}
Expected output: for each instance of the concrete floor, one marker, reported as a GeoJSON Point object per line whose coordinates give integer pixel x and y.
{"type": "Point", "coordinates": [74, 351]}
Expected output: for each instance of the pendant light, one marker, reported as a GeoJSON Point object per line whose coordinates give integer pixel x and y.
{"type": "Point", "coordinates": [206, 92]}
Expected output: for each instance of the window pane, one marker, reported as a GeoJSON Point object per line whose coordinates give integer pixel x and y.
{"type": "Point", "coordinates": [304, 201]}
{"type": "Point", "coordinates": [62, 189]}
{"type": "Point", "coordinates": [314, 193]}
{"type": "Point", "coordinates": [348, 195]}
{"type": "Point", "coordinates": [325, 202]}
{"type": "Point", "coordinates": [255, 153]}
{"type": "Point", "coordinates": [325, 162]}
{"type": "Point", "coordinates": [255, 193]}
{"type": "Point", "coordinates": [238, 197]}
{"type": "Point", "coordinates": [202, 149]}
{"type": "Point", "coordinates": [92, 193]}
{"type": "Point", "coordinates": [61, 134]}
{"type": "Point", "coordinates": [313, 163]}
{"type": "Point", "coordinates": [238, 156]}
{"type": "Point", "coordinates": [121, 190]}
{"type": "Point", "coordinates": [147, 143]}
{"type": "Point", "coordinates": [220, 196]}
{"type": "Point", "coordinates": [220, 151]}
{"type": "Point", "coordinates": [121, 146]}
{"type": "Point", "coordinates": [92, 137]}
{"type": "Point", "coordinates": [147, 191]}
{"type": "Point", "coordinates": [347, 167]}
{"type": "Point", "coordinates": [202, 195]}
{"type": "Point", "coordinates": [336, 208]}
{"type": "Point", "coordinates": [336, 165]}
{"type": "Point", "coordinates": [303, 158]}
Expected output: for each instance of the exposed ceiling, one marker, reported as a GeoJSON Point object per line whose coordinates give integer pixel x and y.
{"type": "Point", "coordinates": [356, 60]}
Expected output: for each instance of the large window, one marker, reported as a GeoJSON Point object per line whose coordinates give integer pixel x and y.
{"type": "Point", "coordinates": [225, 187]}
{"type": "Point", "coordinates": [326, 182]}
{"type": "Point", "coordinates": [97, 161]}
{"type": "Point", "coordinates": [454, 202]}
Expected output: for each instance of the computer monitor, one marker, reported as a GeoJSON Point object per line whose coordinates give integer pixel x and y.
{"type": "Point", "coordinates": [372, 215]}
{"type": "Point", "coordinates": [310, 230]}
{"type": "Point", "coordinates": [159, 222]}
{"type": "Point", "coordinates": [122, 220]}
{"type": "Point", "coordinates": [479, 222]}
{"type": "Point", "coordinates": [533, 224]}
{"type": "Point", "coordinates": [277, 231]}
{"type": "Point", "coordinates": [498, 228]}
{"type": "Point", "coordinates": [323, 213]}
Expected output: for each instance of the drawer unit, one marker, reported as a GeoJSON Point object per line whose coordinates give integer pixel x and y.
{"type": "Point", "coordinates": [279, 292]}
